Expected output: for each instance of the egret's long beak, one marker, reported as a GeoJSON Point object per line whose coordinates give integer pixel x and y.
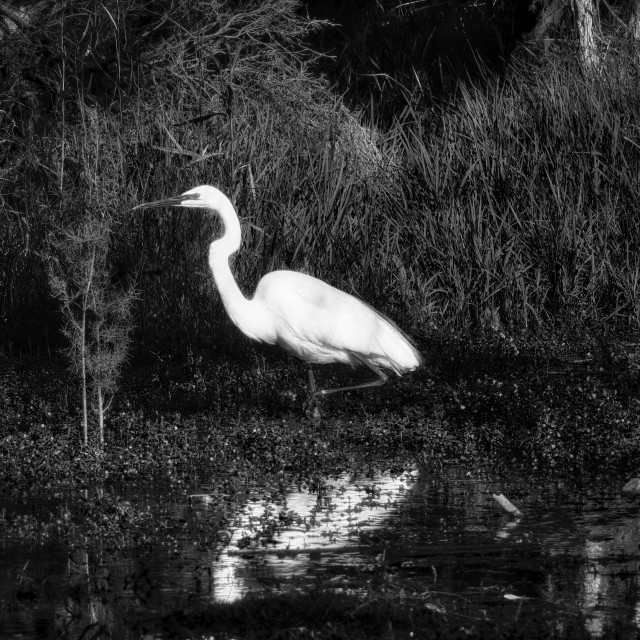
{"type": "Point", "coordinates": [166, 202]}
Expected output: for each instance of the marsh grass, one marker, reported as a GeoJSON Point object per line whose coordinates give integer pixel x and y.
{"type": "Point", "coordinates": [511, 208]}
{"type": "Point", "coordinates": [528, 188]}
{"type": "Point", "coordinates": [508, 207]}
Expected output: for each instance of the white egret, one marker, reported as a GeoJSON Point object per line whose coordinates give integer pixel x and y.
{"type": "Point", "coordinates": [302, 314]}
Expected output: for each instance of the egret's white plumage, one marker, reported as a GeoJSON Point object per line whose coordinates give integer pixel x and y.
{"type": "Point", "coordinates": [302, 314]}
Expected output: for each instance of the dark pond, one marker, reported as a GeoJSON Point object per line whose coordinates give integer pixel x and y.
{"type": "Point", "coordinates": [438, 535]}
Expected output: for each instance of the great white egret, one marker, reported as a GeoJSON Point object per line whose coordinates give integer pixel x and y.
{"type": "Point", "coordinates": [302, 314]}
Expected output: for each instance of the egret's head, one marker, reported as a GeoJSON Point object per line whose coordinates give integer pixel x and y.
{"type": "Point", "coordinates": [202, 197]}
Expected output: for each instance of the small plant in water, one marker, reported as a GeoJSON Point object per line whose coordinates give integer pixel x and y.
{"type": "Point", "coordinates": [97, 316]}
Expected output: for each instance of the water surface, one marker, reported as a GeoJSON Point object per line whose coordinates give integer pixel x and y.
{"type": "Point", "coordinates": [435, 535]}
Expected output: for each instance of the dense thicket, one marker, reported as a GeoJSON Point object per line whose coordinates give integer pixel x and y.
{"type": "Point", "coordinates": [509, 205]}
{"type": "Point", "coordinates": [381, 51]}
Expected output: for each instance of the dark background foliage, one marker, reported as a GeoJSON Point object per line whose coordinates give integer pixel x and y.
{"type": "Point", "coordinates": [430, 157]}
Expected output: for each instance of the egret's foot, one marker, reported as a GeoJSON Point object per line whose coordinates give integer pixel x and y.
{"type": "Point", "coordinates": [314, 414]}
{"type": "Point", "coordinates": [311, 409]}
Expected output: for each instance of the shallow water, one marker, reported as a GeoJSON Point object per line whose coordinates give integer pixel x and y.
{"type": "Point", "coordinates": [438, 536]}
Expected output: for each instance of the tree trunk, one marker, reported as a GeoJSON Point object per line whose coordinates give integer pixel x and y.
{"type": "Point", "coordinates": [101, 411]}
{"type": "Point", "coordinates": [550, 16]}
{"type": "Point", "coordinates": [586, 18]}
{"type": "Point", "coordinates": [83, 349]}
{"type": "Point", "coordinates": [634, 23]}
{"type": "Point", "coordinates": [83, 373]}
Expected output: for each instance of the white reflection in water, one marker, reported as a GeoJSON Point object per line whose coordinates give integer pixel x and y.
{"type": "Point", "coordinates": [602, 581]}
{"type": "Point", "coordinates": [612, 557]}
{"type": "Point", "coordinates": [568, 553]}
{"type": "Point", "coordinates": [306, 524]}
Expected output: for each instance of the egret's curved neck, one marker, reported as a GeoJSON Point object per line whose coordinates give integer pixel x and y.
{"type": "Point", "coordinates": [229, 243]}
{"type": "Point", "coordinates": [219, 252]}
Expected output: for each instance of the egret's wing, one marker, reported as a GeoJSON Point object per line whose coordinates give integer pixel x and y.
{"type": "Point", "coordinates": [323, 324]}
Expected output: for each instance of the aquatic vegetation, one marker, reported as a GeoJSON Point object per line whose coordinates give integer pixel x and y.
{"type": "Point", "coordinates": [215, 431]}
{"type": "Point", "coordinates": [477, 402]}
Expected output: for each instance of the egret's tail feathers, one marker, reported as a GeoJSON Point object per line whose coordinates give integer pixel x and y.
{"type": "Point", "coordinates": [395, 350]}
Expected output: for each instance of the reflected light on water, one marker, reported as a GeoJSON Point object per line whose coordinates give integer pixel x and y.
{"type": "Point", "coordinates": [331, 520]}
{"type": "Point", "coordinates": [434, 535]}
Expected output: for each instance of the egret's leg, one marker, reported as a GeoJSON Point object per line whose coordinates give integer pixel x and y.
{"type": "Point", "coordinates": [382, 379]}
{"type": "Point", "coordinates": [312, 381]}
{"type": "Point", "coordinates": [312, 390]}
